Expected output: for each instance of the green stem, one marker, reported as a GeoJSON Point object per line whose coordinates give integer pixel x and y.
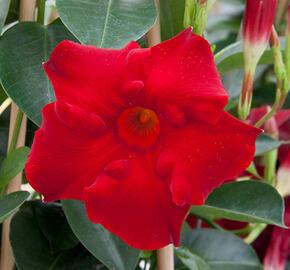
{"type": "Point", "coordinates": [254, 234]}
{"type": "Point", "coordinates": [14, 139]}
{"type": "Point", "coordinates": [40, 11]}
{"type": "Point", "coordinates": [270, 166]}
{"type": "Point", "coordinates": [17, 126]}
{"type": "Point", "coordinates": [272, 112]}
{"type": "Point", "coordinates": [243, 231]}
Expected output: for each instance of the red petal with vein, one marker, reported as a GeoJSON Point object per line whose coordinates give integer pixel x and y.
{"type": "Point", "coordinates": [88, 77]}
{"type": "Point", "coordinates": [183, 73]}
{"type": "Point", "coordinates": [139, 208]}
{"type": "Point", "coordinates": [63, 160]}
{"type": "Point", "coordinates": [205, 156]}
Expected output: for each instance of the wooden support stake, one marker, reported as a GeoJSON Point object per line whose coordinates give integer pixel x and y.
{"type": "Point", "coordinates": [165, 259]}
{"type": "Point", "coordinates": [153, 36]}
{"type": "Point", "coordinates": [27, 9]}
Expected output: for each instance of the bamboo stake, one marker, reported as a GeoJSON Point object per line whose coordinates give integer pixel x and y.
{"type": "Point", "coordinates": [165, 259]}
{"type": "Point", "coordinates": [153, 36]}
{"type": "Point", "coordinates": [27, 8]}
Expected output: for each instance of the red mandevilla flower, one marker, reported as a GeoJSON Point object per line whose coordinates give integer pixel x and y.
{"type": "Point", "coordinates": [138, 134]}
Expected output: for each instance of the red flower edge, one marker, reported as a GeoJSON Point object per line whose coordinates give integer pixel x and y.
{"type": "Point", "coordinates": [138, 134]}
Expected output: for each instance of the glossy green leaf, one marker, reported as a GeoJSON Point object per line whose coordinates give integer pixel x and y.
{"type": "Point", "coordinates": [10, 203]}
{"type": "Point", "coordinates": [107, 23]}
{"type": "Point", "coordinates": [231, 57]}
{"type": "Point", "coordinates": [265, 143]}
{"type": "Point", "coordinates": [54, 226]}
{"type": "Point", "coordinates": [171, 17]}
{"type": "Point", "coordinates": [221, 250]}
{"type": "Point", "coordinates": [13, 164]}
{"type": "Point", "coordinates": [23, 48]}
{"type": "Point", "coordinates": [191, 259]}
{"type": "Point", "coordinates": [31, 240]}
{"type": "Point", "coordinates": [105, 246]}
{"type": "Point", "coordinates": [13, 13]}
{"type": "Point", "coordinates": [4, 7]}
{"type": "Point", "coordinates": [250, 201]}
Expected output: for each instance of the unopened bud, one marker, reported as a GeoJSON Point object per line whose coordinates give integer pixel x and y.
{"type": "Point", "coordinates": [257, 23]}
{"type": "Point", "coordinates": [196, 14]}
{"type": "Point", "coordinates": [279, 66]}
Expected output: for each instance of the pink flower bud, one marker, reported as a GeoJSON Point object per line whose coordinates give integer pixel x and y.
{"type": "Point", "coordinates": [278, 250]}
{"type": "Point", "coordinates": [258, 20]}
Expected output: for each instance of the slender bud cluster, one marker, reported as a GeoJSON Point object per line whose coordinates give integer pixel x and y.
{"type": "Point", "coordinates": [196, 14]}
{"type": "Point", "coordinates": [257, 23]}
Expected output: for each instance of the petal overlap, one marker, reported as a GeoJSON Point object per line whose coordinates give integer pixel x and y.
{"type": "Point", "coordinates": [63, 160]}
{"type": "Point", "coordinates": [206, 155]}
{"type": "Point", "coordinates": [138, 208]}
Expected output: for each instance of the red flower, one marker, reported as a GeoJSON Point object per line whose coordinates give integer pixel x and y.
{"type": "Point", "coordinates": [138, 134]}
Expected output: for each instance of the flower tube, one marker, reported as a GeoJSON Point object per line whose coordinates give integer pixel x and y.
{"type": "Point", "coordinates": [257, 24]}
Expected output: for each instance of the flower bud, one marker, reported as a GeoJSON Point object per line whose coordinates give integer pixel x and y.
{"type": "Point", "coordinates": [257, 23]}
{"type": "Point", "coordinates": [278, 249]}
{"type": "Point", "coordinates": [196, 14]}
{"type": "Point", "coordinates": [279, 66]}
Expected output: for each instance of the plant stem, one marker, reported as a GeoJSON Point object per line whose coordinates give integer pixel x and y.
{"type": "Point", "coordinates": [254, 234]}
{"type": "Point", "coordinates": [16, 130]}
{"type": "Point", "coordinates": [6, 103]}
{"type": "Point", "coordinates": [40, 11]}
{"type": "Point", "coordinates": [272, 112]}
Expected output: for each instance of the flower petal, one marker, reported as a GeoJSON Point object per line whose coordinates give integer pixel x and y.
{"type": "Point", "coordinates": [183, 73]}
{"type": "Point", "coordinates": [283, 176]}
{"type": "Point", "coordinates": [138, 208]}
{"type": "Point", "coordinates": [205, 155]}
{"type": "Point", "coordinates": [64, 159]}
{"type": "Point", "coordinates": [87, 76]}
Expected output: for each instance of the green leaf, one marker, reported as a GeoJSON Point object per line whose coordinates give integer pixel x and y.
{"type": "Point", "coordinates": [265, 143]}
{"type": "Point", "coordinates": [13, 164]}
{"type": "Point", "coordinates": [23, 48]}
{"type": "Point", "coordinates": [4, 7]}
{"type": "Point", "coordinates": [105, 246]}
{"type": "Point", "coordinates": [10, 203]}
{"type": "Point", "coordinates": [13, 13]}
{"type": "Point", "coordinates": [107, 23]}
{"type": "Point", "coordinates": [171, 17]}
{"type": "Point", "coordinates": [222, 250]}
{"type": "Point", "coordinates": [191, 259]}
{"type": "Point", "coordinates": [53, 225]}
{"type": "Point", "coordinates": [231, 57]}
{"type": "Point", "coordinates": [31, 242]}
{"type": "Point", "coordinates": [250, 201]}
